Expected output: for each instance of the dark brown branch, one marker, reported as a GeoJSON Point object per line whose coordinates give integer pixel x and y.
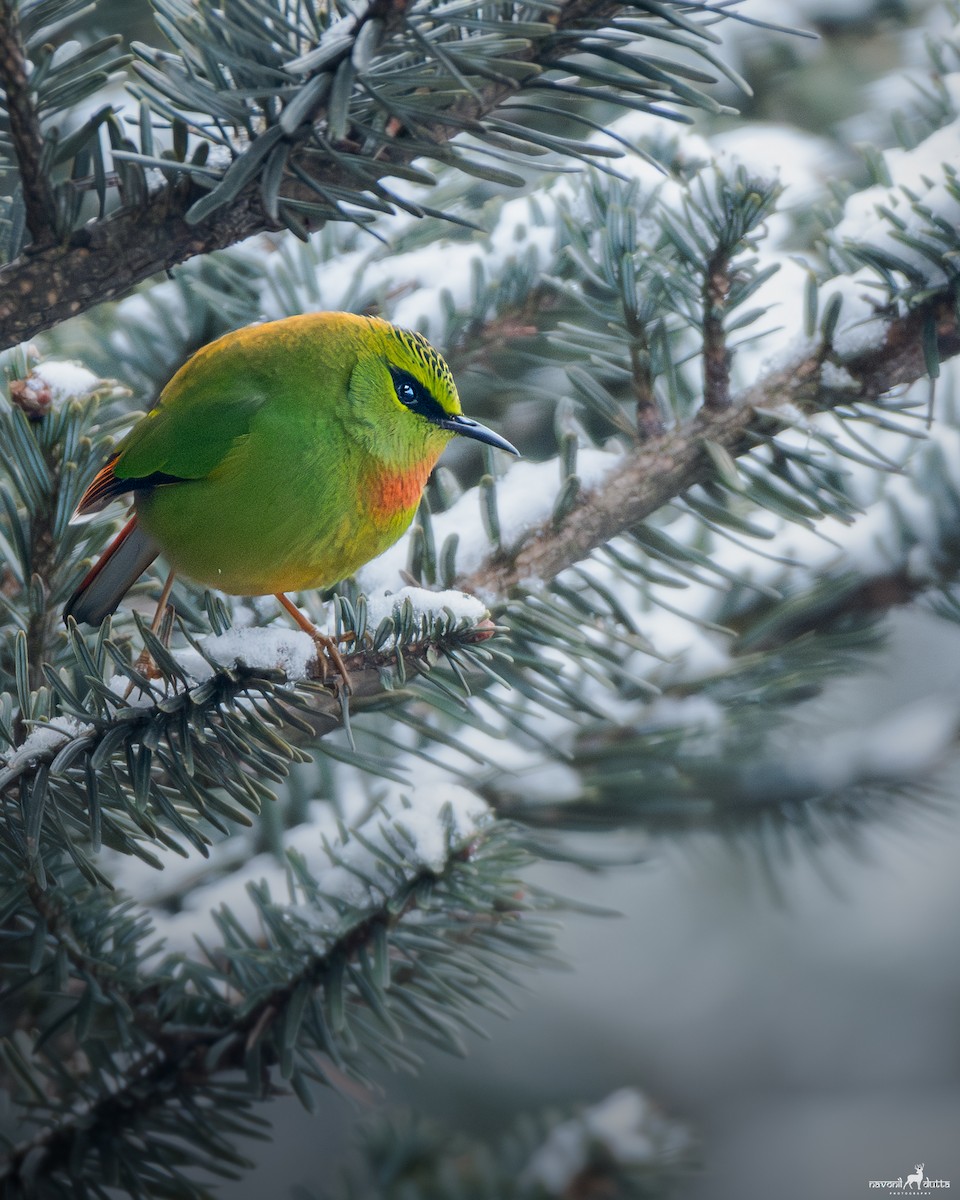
{"type": "Point", "coordinates": [38, 198]}
{"type": "Point", "coordinates": [105, 259]}
{"type": "Point", "coordinates": [673, 463]}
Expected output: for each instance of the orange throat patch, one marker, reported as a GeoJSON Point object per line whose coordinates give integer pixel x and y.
{"type": "Point", "coordinates": [391, 493]}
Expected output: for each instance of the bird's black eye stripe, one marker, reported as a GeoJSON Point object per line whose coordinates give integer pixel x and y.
{"type": "Point", "coordinates": [413, 395]}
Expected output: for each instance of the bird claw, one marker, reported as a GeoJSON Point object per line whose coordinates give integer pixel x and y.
{"type": "Point", "coordinates": [163, 627]}
{"type": "Point", "coordinates": [327, 648]}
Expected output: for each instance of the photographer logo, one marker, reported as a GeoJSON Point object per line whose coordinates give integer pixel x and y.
{"type": "Point", "coordinates": [915, 1184]}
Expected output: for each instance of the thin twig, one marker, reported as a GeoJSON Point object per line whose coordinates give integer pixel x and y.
{"type": "Point", "coordinates": [716, 356]}
{"type": "Point", "coordinates": [649, 421]}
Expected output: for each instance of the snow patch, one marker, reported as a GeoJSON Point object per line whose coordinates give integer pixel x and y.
{"type": "Point", "coordinates": [839, 378]}
{"type": "Point", "coordinates": [261, 648]}
{"type": "Point", "coordinates": [41, 740]}
{"type": "Point", "coordinates": [418, 835]}
{"type": "Point", "coordinates": [129, 693]}
{"type": "Point", "coordinates": [919, 180]}
{"type": "Point", "coordinates": [65, 380]}
{"type": "Point", "coordinates": [432, 605]}
{"type": "Point", "coordinates": [858, 328]}
{"type": "Point", "coordinates": [802, 162]}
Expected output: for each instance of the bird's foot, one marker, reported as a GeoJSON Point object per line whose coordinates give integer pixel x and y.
{"type": "Point", "coordinates": [327, 648]}
{"type": "Point", "coordinates": [145, 665]}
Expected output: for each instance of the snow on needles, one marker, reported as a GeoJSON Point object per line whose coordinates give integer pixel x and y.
{"type": "Point", "coordinates": [414, 834]}
{"type": "Point", "coordinates": [293, 651]}
{"type": "Point", "coordinates": [261, 648]}
{"type": "Point", "coordinates": [432, 605]}
{"type": "Point", "coordinates": [64, 380]}
{"type": "Point", "coordinates": [919, 186]}
{"type": "Point", "coordinates": [40, 740]}
{"type": "Point", "coordinates": [902, 224]}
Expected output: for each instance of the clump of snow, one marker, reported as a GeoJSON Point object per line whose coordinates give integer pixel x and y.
{"type": "Point", "coordinates": [858, 328]}
{"type": "Point", "coordinates": [801, 161]}
{"type": "Point", "coordinates": [625, 1127]}
{"type": "Point", "coordinates": [62, 380]}
{"type": "Point", "coordinates": [923, 173]}
{"type": "Point", "coordinates": [193, 664]}
{"type": "Point", "coordinates": [418, 835]}
{"type": "Point", "coordinates": [833, 376]}
{"type": "Point", "coordinates": [778, 336]}
{"type": "Point", "coordinates": [437, 820]}
{"type": "Point", "coordinates": [463, 608]}
{"type": "Point", "coordinates": [261, 648]}
{"type": "Point", "coordinates": [132, 696]}
{"type": "Point", "coordinates": [41, 740]}
{"type": "Point", "coordinates": [293, 651]}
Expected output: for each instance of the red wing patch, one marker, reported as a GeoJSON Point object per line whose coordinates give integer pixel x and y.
{"type": "Point", "coordinates": [106, 487]}
{"type": "Point", "coordinates": [103, 489]}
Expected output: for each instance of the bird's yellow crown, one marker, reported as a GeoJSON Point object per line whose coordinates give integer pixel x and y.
{"type": "Point", "coordinates": [434, 369]}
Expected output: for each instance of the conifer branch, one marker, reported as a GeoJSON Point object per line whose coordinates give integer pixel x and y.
{"type": "Point", "coordinates": [247, 1027]}
{"type": "Point", "coordinates": [319, 711]}
{"type": "Point", "coordinates": [24, 126]}
{"type": "Point", "coordinates": [667, 467]}
{"type": "Point", "coordinates": [104, 258]}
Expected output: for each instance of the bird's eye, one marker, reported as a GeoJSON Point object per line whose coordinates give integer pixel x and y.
{"type": "Point", "coordinates": [414, 395]}
{"type": "Point", "coordinates": [409, 391]}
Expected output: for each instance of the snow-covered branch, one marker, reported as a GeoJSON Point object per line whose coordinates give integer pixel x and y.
{"type": "Point", "coordinates": [666, 467]}
{"type": "Point", "coordinates": [224, 676]}
{"type": "Point", "coordinates": [322, 155]}
{"type": "Point", "coordinates": [372, 934]}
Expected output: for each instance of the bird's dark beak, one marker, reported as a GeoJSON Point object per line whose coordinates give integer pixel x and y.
{"type": "Point", "coordinates": [480, 433]}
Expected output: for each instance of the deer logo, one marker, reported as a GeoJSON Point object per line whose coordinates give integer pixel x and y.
{"type": "Point", "coordinates": [915, 1178]}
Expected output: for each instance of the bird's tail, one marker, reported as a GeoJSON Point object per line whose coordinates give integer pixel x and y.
{"type": "Point", "coordinates": [113, 574]}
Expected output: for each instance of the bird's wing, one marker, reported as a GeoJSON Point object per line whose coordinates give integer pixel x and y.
{"type": "Point", "coordinates": [204, 413]}
{"type": "Point", "coordinates": [193, 428]}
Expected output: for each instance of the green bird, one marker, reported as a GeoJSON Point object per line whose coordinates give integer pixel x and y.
{"type": "Point", "coordinates": [280, 457]}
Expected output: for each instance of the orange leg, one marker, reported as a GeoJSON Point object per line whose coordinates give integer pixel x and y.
{"type": "Point", "coordinates": [162, 603]}
{"type": "Point", "coordinates": [145, 664]}
{"type": "Point", "coordinates": [325, 643]}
